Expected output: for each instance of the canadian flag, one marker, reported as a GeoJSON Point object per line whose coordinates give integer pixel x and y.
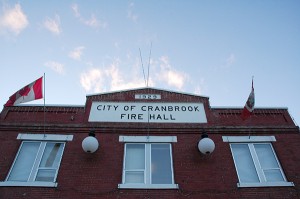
{"type": "Point", "coordinates": [28, 93]}
{"type": "Point", "coordinates": [249, 106]}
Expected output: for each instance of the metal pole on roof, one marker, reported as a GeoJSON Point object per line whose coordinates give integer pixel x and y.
{"type": "Point", "coordinates": [149, 64]}
{"type": "Point", "coordinates": [44, 101]}
{"type": "Point", "coordinates": [250, 119]}
{"type": "Point", "coordinates": [143, 67]}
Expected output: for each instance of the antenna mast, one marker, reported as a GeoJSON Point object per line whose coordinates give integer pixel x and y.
{"type": "Point", "coordinates": [149, 64]}
{"type": "Point", "coordinates": [143, 67]}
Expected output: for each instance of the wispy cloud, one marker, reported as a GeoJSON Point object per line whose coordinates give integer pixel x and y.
{"type": "Point", "coordinates": [169, 75]}
{"type": "Point", "coordinates": [13, 19]}
{"type": "Point", "coordinates": [53, 25]}
{"type": "Point", "coordinates": [226, 63]}
{"type": "Point", "coordinates": [115, 77]}
{"type": "Point", "coordinates": [230, 60]}
{"type": "Point", "coordinates": [130, 14]}
{"type": "Point", "coordinates": [56, 67]}
{"type": "Point", "coordinates": [92, 80]}
{"type": "Point", "coordinates": [109, 78]}
{"type": "Point", "coordinates": [75, 9]}
{"type": "Point", "coordinates": [77, 53]}
{"type": "Point", "coordinates": [199, 86]}
{"type": "Point", "coordinates": [92, 21]}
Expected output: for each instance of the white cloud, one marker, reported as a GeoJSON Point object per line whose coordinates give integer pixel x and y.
{"type": "Point", "coordinates": [77, 53]}
{"type": "Point", "coordinates": [130, 13]}
{"type": "Point", "coordinates": [13, 19]}
{"type": "Point", "coordinates": [230, 60]}
{"type": "Point", "coordinates": [53, 25]}
{"type": "Point", "coordinates": [109, 78]}
{"type": "Point", "coordinates": [94, 22]}
{"type": "Point", "coordinates": [92, 80]}
{"type": "Point", "coordinates": [56, 67]}
{"type": "Point", "coordinates": [198, 89]}
{"type": "Point", "coordinates": [115, 77]}
{"type": "Point", "coordinates": [75, 9]}
{"type": "Point", "coordinates": [91, 22]}
{"type": "Point", "coordinates": [169, 75]}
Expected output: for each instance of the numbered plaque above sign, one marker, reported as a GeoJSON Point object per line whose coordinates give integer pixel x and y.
{"type": "Point", "coordinates": [148, 96]}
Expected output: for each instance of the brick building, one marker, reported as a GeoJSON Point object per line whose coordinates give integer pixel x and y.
{"type": "Point", "coordinates": [148, 148]}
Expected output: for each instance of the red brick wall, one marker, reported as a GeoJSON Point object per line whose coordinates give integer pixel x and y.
{"type": "Point", "coordinates": [97, 175]}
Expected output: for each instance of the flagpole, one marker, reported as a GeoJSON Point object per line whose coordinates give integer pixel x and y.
{"type": "Point", "coordinates": [44, 101]}
{"type": "Point", "coordinates": [250, 119]}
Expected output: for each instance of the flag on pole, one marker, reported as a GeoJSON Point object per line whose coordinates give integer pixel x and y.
{"type": "Point", "coordinates": [28, 93]}
{"type": "Point", "coordinates": [249, 106]}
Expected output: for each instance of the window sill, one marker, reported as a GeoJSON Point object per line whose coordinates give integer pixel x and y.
{"type": "Point", "coordinates": [27, 184]}
{"type": "Point", "coordinates": [266, 184]}
{"type": "Point", "coordinates": [148, 186]}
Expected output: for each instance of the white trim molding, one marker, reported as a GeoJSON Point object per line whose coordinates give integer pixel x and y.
{"type": "Point", "coordinates": [248, 138]}
{"type": "Point", "coordinates": [44, 137]}
{"type": "Point", "coordinates": [148, 186]}
{"type": "Point", "coordinates": [27, 184]}
{"type": "Point", "coordinates": [145, 139]}
{"type": "Point", "coordinates": [266, 184]}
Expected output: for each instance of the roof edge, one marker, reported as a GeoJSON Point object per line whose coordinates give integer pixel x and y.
{"type": "Point", "coordinates": [241, 107]}
{"type": "Point", "coordinates": [141, 88]}
{"type": "Point", "coordinates": [49, 105]}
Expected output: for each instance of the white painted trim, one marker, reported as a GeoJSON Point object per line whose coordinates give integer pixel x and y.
{"type": "Point", "coordinates": [45, 137]}
{"type": "Point", "coordinates": [267, 184]}
{"type": "Point", "coordinates": [148, 186]}
{"type": "Point", "coordinates": [147, 139]}
{"type": "Point", "coordinates": [248, 138]}
{"type": "Point", "coordinates": [27, 184]}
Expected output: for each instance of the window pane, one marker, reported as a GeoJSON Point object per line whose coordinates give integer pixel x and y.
{"type": "Point", "coordinates": [273, 175]}
{"type": "Point", "coordinates": [24, 162]}
{"type": "Point", "coordinates": [244, 163]}
{"type": "Point", "coordinates": [135, 156]}
{"type": "Point", "coordinates": [161, 164]}
{"type": "Point", "coordinates": [52, 155]}
{"type": "Point", "coordinates": [46, 175]}
{"type": "Point", "coordinates": [134, 177]}
{"type": "Point", "coordinates": [266, 156]}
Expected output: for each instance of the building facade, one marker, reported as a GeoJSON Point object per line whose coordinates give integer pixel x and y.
{"type": "Point", "coordinates": [148, 148]}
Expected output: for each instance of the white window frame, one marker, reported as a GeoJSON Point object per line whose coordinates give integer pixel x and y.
{"type": "Point", "coordinates": [147, 141]}
{"type": "Point", "coordinates": [250, 141]}
{"type": "Point", "coordinates": [43, 139]}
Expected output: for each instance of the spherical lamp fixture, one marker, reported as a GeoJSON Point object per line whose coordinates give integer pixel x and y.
{"type": "Point", "coordinates": [206, 145]}
{"type": "Point", "coordinates": [90, 144]}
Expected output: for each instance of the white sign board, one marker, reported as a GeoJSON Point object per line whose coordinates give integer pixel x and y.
{"type": "Point", "coordinates": [147, 112]}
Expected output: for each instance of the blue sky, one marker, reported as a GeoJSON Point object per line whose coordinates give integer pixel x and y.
{"type": "Point", "coordinates": [210, 48]}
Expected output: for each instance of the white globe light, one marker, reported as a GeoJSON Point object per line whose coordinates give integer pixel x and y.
{"type": "Point", "coordinates": [206, 145]}
{"type": "Point", "coordinates": [90, 144]}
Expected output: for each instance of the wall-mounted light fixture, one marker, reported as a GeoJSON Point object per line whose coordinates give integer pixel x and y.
{"type": "Point", "coordinates": [206, 145]}
{"type": "Point", "coordinates": [90, 144]}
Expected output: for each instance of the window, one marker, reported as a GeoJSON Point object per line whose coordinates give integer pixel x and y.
{"type": "Point", "coordinates": [148, 165]}
{"type": "Point", "coordinates": [37, 161]}
{"type": "Point", "coordinates": [256, 162]}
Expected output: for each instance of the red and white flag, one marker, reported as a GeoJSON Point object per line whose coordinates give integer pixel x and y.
{"type": "Point", "coordinates": [28, 93]}
{"type": "Point", "coordinates": [249, 106]}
